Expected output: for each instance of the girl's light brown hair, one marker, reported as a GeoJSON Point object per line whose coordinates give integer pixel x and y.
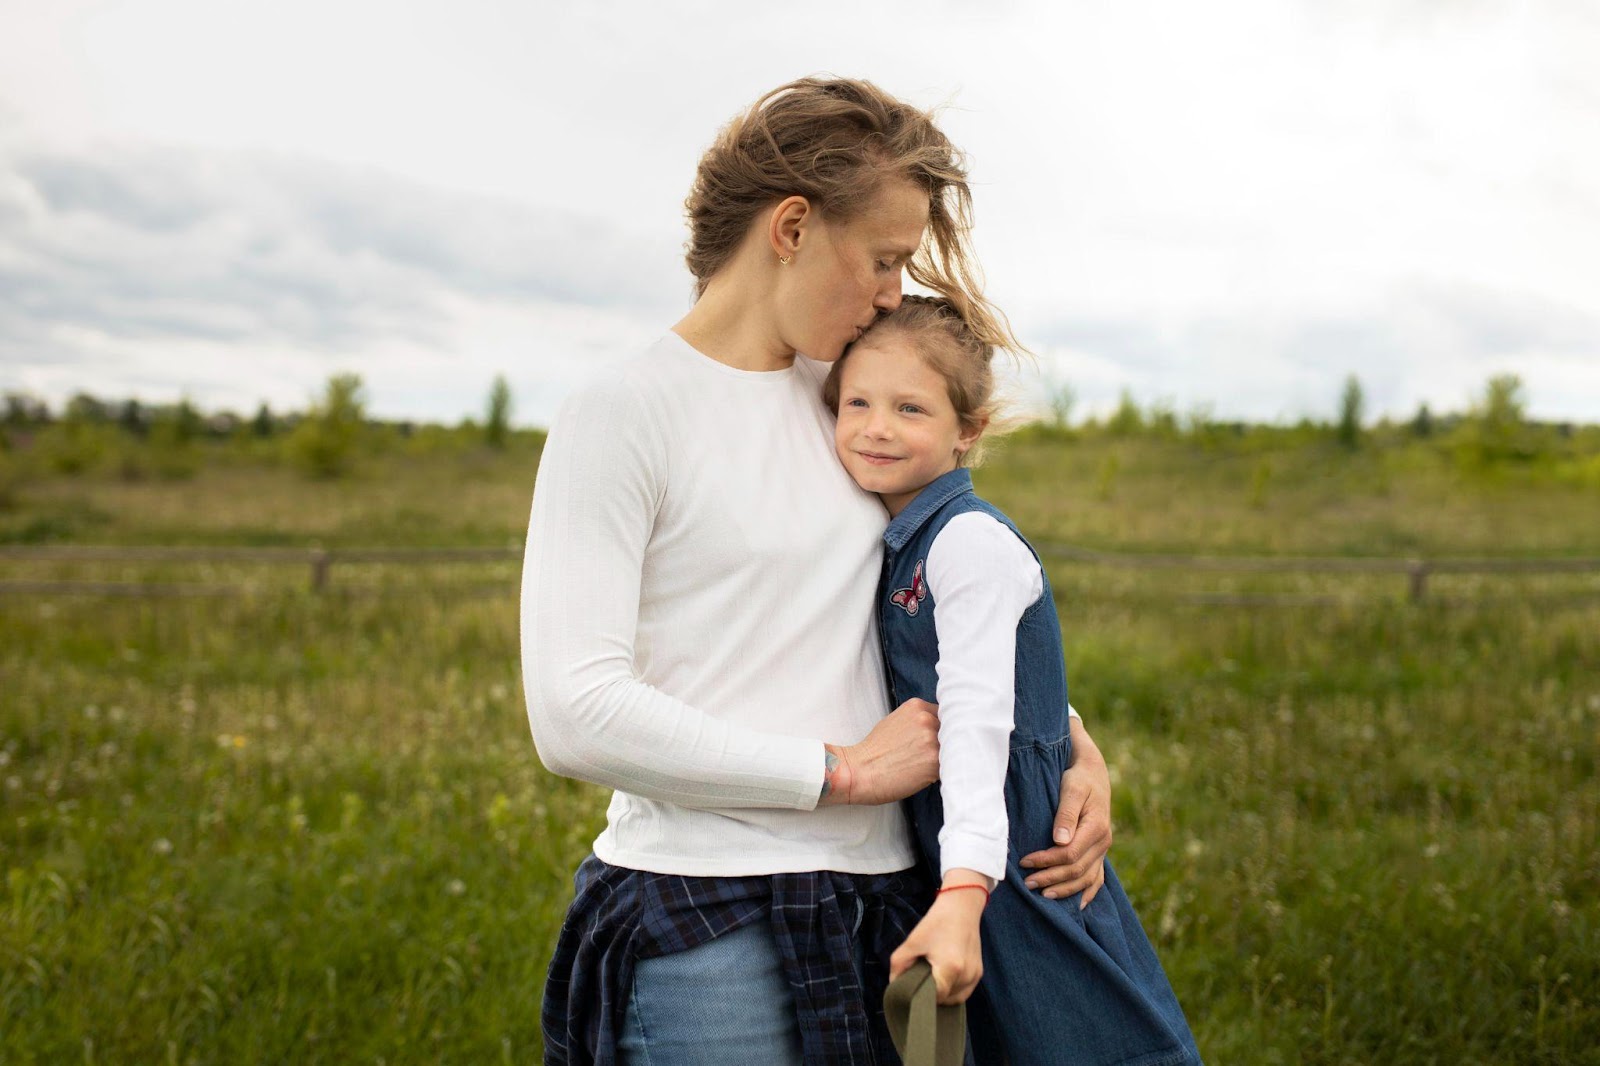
{"type": "Point", "coordinates": [946, 341]}
{"type": "Point", "coordinates": [834, 141]}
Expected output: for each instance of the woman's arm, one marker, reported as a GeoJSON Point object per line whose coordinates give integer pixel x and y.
{"type": "Point", "coordinates": [601, 480]}
{"type": "Point", "coordinates": [1082, 827]}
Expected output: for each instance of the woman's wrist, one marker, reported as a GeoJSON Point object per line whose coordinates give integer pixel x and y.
{"type": "Point", "coordinates": [1082, 743]}
{"type": "Point", "coordinates": [838, 777]}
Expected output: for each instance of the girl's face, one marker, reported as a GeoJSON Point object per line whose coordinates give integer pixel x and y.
{"type": "Point", "coordinates": [844, 275]}
{"type": "Point", "coordinates": [897, 430]}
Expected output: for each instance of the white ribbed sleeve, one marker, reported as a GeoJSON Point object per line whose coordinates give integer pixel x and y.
{"type": "Point", "coordinates": [982, 578]}
{"type": "Point", "coordinates": [697, 618]}
{"type": "Point", "coordinates": [601, 483]}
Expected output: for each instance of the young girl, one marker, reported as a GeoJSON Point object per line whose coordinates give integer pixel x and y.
{"type": "Point", "coordinates": [968, 621]}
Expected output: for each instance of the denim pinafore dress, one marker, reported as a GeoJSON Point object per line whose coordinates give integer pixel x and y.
{"type": "Point", "coordinates": [1060, 985]}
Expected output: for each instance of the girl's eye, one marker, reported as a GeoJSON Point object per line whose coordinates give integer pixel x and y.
{"type": "Point", "coordinates": [853, 402]}
{"type": "Point", "coordinates": [911, 408]}
{"type": "Point", "coordinates": [885, 265]}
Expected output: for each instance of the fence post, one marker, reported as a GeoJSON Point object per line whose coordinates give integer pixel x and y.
{"type": "Point", "coordinates": [320, 561]}
{"type": "Point", "coordinates": [1418, 572]}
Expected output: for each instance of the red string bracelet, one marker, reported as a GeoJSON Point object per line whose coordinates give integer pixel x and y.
{"type": "Point", "coordinates": [957, 888]}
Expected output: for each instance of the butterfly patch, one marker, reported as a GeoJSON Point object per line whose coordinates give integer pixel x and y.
{"type": "Point", "coordinates": [911, 598]}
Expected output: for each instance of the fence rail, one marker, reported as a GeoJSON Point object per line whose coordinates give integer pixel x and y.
{"type": "Point", "coordinates": [321, 561]}
{"type": "Point", "coordinates": [1416, 570]}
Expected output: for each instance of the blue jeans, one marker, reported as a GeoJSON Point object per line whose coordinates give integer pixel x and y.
{"type": "Point", "coordinates": [724, 1003]}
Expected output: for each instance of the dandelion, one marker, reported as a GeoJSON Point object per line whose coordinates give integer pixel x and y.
{"type": "Point", "coordinates": [162, 846]}
{"type": "Point", "coordinates": [456, 887]}
{"type": "Point", "coordinates": [91, 712]}
{"type": "Point", "coordinates": [13, 782]}
{"type": "Point", "coordinates": [238, 741]}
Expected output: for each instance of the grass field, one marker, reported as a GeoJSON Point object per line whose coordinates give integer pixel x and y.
{"type": "Point", "coordinates": [269, 825]}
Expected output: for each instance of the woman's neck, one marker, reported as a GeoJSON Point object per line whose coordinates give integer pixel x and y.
{"type": "Point", "coordinates": [731, 326]}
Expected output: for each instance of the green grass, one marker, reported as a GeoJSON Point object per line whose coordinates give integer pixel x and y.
{"type": "Point", "coordinates": [275, 826]}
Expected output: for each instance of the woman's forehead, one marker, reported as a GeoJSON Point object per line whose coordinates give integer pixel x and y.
{"type": "Point", "coordinates": [897, 215]}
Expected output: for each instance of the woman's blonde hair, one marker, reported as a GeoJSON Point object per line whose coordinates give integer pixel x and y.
{"type": "Point", "coordinates": [834, 141]}
{"type": "Point", "coordinates": [950, 346]}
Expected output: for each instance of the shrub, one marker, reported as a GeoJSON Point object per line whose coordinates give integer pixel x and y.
{"type": "Point", "coordinates": [498, 421]}
{"type": "Point", "coordinates": [1351, 403]}
{"type": "Point", "coordinates": [323, 444]}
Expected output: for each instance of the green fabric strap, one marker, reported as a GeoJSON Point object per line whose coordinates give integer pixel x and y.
{"type": "Point", "coordinates": [925, 1033]}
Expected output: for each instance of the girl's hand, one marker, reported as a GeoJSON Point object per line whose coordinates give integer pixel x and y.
{"type": "Point", "coordinates": [899, 758]}
{"type": "Point", "coordinates": [1082, 828]}
{"type": "Point", "coordinates": [948, 938]}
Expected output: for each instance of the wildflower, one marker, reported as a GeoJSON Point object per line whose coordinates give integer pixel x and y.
{"type": "Point", "coordinates": [162, 846]}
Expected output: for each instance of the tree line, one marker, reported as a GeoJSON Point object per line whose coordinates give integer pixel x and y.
{"type": "Point", "coordinates": [327, 439]}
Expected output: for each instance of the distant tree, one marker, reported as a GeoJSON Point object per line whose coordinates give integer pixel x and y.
{"type": "Point", "coordinates": [187, 422]}
{"type": "Point", "coordinates": [24, 411]}
{"type": "Point", "coordinates": [1351, 403]}
{"type": "Point", "coordinates": [132, 418]}
{"type": "Point", "coordinates": [497, 425]}
{"type": "Point", "coordinates": [1063, 398]}
{"type": "Point", "coordinates": [1421, 424]}
{"type": "Point", "coordinates": [261, 425]}
{"type": "Point", "coordinates": [1128, 418]}
{"type": "Point", "coordinates": [323, 444]}
{"type": "Point", "coordinates": [1163, 418]}
{"type": "Point", "coordinates": [1496, 421]}
{"type": "Point", "coordinates": [85, 408]}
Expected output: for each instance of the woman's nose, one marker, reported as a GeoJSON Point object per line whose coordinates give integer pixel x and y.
{"type": "Point", "coordinates": [888, 297]}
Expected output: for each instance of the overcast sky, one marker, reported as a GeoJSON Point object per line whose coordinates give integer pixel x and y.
{"type": "Point", "coordinates": [1230, 204]}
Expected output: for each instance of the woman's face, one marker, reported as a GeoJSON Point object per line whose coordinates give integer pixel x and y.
{"type": "Point", "coordinates": [844, 275]}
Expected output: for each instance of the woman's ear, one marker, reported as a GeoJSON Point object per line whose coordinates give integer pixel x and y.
{"type": "Point", "coordinates": [785, 226]}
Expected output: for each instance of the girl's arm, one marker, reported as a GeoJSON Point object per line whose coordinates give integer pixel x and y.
{"type": "Point", "coordinates": [601, 480]}
{"type": "Point", "coordinates": [982, 578]}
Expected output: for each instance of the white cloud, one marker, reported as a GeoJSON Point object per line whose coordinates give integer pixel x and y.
{"type": "Point", "coordinates": [1233, 203]}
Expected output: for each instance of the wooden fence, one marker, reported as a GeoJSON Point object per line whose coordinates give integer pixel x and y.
{"type": "Point", "coordinates": [320, 562]}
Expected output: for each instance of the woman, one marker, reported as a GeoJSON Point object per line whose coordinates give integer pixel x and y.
{"type": "Point", "coordinates": [698, 630]}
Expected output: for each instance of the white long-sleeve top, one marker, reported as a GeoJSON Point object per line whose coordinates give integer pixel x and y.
{"type": "Point", "coordinates": [697, 618]}
{"type": "Point", "coordinates": [982, 578]}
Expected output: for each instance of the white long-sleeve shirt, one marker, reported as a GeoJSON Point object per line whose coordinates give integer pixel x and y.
{"type": "Point", "coordinates": [982, 578]}
{"type": "Point", "coordinates": [697, 618]}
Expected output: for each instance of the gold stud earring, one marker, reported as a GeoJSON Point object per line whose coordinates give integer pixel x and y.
{"type": "Point", "coordinates": [784, 259]}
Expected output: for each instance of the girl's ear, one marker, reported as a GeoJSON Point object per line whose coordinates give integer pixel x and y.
{"type": "Point", "coordinates": [970, 432]}
{"type": "Point", "coordinates": [785, 226]}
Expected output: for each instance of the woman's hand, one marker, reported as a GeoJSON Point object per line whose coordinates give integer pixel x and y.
{"type": "Point", "coordinates": [948, 938]}
{"type": "Point", "coordinates": [1082, 827]}
{"type": "Point", "coordinates": [898, 758]}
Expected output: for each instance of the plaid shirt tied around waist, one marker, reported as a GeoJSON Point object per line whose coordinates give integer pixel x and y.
{"type": "Point", "coordinates": [620, 916]}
